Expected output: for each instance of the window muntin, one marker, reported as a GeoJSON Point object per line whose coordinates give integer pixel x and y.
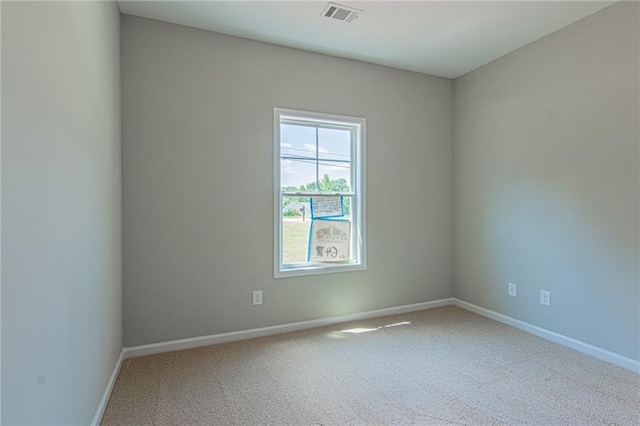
{"type": "Point", "coordinates": [316, 154]}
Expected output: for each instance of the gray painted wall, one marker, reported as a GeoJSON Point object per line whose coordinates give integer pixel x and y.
{"type": "Point", "coordinates": [546, 182]}
{"type": "Point", "coordinates": [198, 195]}
{"type": "Point", "coordinates": [61, 209]}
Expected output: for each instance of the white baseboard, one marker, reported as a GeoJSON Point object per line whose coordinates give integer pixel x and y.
{"type": "Point", "coordinates": [107, 391]}
{"type": "Point", "coordinates": [195, 342]}
{"type": "Point", "coordinates": [594, 351]}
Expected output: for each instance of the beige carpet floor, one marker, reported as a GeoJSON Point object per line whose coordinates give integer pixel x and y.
{"type": "Point", "coordinates": [441, 366]}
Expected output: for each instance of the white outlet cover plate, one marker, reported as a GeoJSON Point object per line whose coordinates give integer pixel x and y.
{"type": "Point", "coordinates": [545, 298]}
{"type": "Point", "coordinates": [512, 289]}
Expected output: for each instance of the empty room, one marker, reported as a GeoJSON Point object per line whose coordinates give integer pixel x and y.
{"type": "Point", "coordinates": [320, 213]}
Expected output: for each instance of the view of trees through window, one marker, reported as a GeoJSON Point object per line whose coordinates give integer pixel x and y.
{"type": "Point", "coordinates": [296, 215]}
{"type": "Point", "coordinates": [326, 185]}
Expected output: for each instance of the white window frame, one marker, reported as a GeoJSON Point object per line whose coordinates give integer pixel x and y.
{"type": "Point", "coordinates": [358, 204]}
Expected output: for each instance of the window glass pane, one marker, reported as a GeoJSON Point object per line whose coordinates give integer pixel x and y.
{"type": "Point", "coordinates": [295, 173]}
{"type": "Point", "coordinates": [297, 141]}
{"type": "Point", "coordinates": [295, 229]}
{"type": "Point", "coordinates": [334, 144]}
{"type": "Point", "coordinates": [335, 176]}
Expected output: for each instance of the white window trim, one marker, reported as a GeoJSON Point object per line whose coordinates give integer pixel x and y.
{"type": "Point", "coordinates": [358, 177]}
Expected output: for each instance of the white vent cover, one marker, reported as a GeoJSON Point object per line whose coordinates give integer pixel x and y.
{"type": "Point", "coordinates": [340, 12]}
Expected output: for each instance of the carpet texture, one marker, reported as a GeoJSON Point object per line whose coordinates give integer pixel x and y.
{"type": "Point", "coordinates": [443, 366]}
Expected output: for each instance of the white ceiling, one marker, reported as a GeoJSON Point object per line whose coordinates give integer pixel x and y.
{"type": "Point", "coordinates": [443, 38]}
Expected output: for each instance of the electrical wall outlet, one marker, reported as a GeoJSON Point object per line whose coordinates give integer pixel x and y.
{"type": "Point", "coordinates": [257, 297]}
{"type": "Point", "coordinates": [512, 289]}
{"type": "Point", "coordinates": [545, 298]}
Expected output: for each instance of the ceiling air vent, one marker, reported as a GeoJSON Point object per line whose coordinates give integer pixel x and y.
{"type": "Point", "coordinates": [340, 12]}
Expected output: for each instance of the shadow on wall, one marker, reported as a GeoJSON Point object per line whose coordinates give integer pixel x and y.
{"type": "Point", "coordinates": [543, 236]}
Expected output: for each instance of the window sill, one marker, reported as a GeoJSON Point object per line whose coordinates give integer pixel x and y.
{"type": "Point", "coordinates": [318, 269]}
